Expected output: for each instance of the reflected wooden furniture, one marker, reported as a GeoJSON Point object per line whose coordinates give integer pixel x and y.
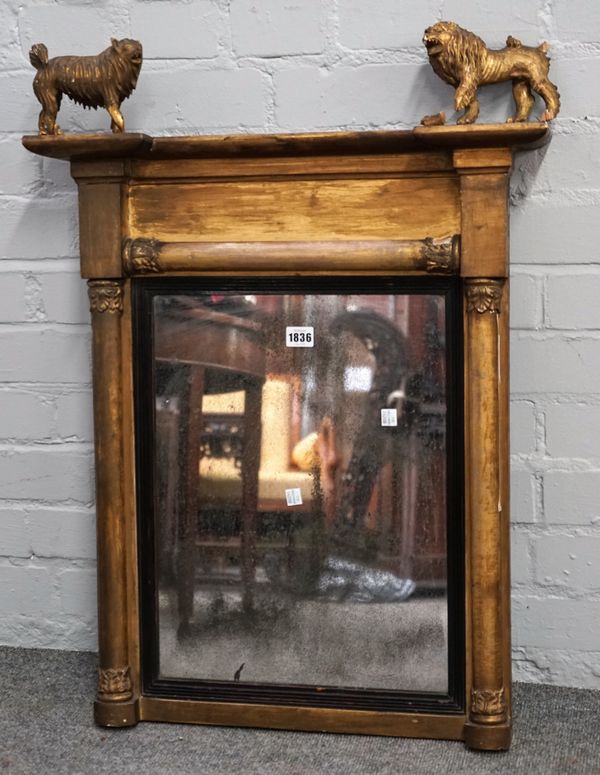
{"type": "Point", "coordinates": [416, 476]}
{"type": "Point", "coordinates": [431, 202]}
{"type": "Point", "coordinates": [424, 542]}
{"type": "Point", "coordinates": [217, 352]}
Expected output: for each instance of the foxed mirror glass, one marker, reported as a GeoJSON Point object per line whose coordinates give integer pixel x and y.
{"type": "Point", "coordinates": [299, 492]}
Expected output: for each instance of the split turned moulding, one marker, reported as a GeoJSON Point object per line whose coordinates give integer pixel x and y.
{"type": "Point", "coordinates": [425, 203]}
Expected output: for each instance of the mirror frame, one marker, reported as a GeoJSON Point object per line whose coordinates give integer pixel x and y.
{"type": "Point", "coordinates": [424, 203]}
{"type": "Point", "coordinates": [450, 701]}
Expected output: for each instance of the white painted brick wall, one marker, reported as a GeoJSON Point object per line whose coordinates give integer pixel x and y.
{"type": "Point", "coordinates": [568, 561]}
{"type": "Point", "coordinates": [492, 20]}
{"type": "Point", "coordinates": [25, 589]}
{"type": "Point", "coordinates": [19, 176]}
{"type": "Point", "coordinates": [523, 488]}
{"type": "Point", "coordinates": [46, 473]}
{"type": "Point", "coordinates": [36, 353]}
{"type": "Point", "coordinates": [526, 301]}
{"type": "Point", "coordinates": [309, 94]}
{"type": "Point", "coordinates": [573, 430]}
{"type": "Point", "coordinates": [553, 229]}
{"type": "Point", "coordinates": [554, 363]}
{"type": "Point", "coordinates": [520, 557]}
{"type": "Point", "coordinates": [271, 28]}
{"type": "Point", "coordinates": [57, 531]}
{"type": "Point", "coordinates": [523, 425]}
{"type": "Point", "coordinates": [571, 498]}
{"type": "Point", "coordinates": [560, 292]}
{"type": "Point", "coordinates": [555, 622]}
{"type": "Point", "coordinates": [549, 168]}
{"type": "Point", "coordinates": [576, 20]}
{"type": "Point", "coordinates": [13, 309]}
{"type": "Point", "coordinates": [221, 66]}
{"type": "Point", "coordinates": [25, 414]}
{"type": "Point", "coordinates": [385, 24]}
{"type": "Point", "coordinates": [63, 297]}
{"type": "Point", "coordinates": [193, 29]}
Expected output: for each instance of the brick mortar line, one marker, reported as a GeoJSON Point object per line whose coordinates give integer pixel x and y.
{"type": "Point", "coordinates": [555, 530]}
{"type": "Point", "coordinates": [44, 325]}
{"type": "Point", "coordinates": [565, 652]}
{"type": "Point", "coordinates": [538, 464]}
{"type": "Point", "coordinates": [55, 561]}
{"type": "Point", "coordinates": [521, 593]}
{"type": "Point", "coordinates": [67, 387]}
{"type": "Point", "coordinates": [58, 506]}
{"type": "Point", "coordinates": [10, 504]}
{"type": "Point", "coordinates": [39, 445]}
{"type": "Point", "coordinates": [519, 269]}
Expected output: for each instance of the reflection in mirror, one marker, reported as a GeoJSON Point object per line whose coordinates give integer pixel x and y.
{"type": "Point", "coordinates": [300, 489]}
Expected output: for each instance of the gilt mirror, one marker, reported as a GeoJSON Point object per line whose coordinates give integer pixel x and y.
{"type": "Point", "coordinates": [300, 363]}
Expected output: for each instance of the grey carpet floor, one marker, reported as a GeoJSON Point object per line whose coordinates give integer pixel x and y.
{"type": "Point", "coordinates": [46, 727]}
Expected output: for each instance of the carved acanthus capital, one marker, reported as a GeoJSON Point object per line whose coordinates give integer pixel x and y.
{"type": "Point", "coordinates": [105, 295]}
{"type": "Point", "coordinates": [484, 296]}
{"type": "Point", "coordinates": [114, 684]}
{"type": "Point", "coordinates": [141, 256]}
{"type": "Point", "coordinates": [441, 255]}
{"type": "Point", "coordinates": [488, 702]}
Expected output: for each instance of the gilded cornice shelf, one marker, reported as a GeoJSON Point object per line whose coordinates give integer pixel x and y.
{"type": "Point", "coordinates": [142, 146]}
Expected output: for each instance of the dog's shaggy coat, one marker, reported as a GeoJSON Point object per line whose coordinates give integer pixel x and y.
{"type": "Point", "coordinates": [101, 81]}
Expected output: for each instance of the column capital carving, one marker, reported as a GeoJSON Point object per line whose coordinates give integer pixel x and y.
{"type": "Point", "coordinates": [106, 296]}
{"type": "Point", "coordinates": [141, 256]}
{"type": "Point", "coordinates": [114, 684]}
{"type": "Point", "coordinates": [489, 703]}
{"type": "Point", "coordinates": [441, 255]}
{"type": "Point", "coordinates": [484, 295]}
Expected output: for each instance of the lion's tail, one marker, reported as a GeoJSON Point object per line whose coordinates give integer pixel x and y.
{"type": "Point", "coordinates": [38, 56]}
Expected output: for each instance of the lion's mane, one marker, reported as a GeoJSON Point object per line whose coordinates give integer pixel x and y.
{"type": "Point", "coordinates": [464, 50]}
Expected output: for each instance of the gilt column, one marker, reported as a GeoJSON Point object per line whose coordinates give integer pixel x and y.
{"type": "Point", "coordinates": [488, 712]}
{"type": "Point", "coordinates": [114, 704]}
{"type": "Point", "coordinates": [483, 177]}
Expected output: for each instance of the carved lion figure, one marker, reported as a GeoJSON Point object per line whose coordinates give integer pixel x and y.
{"type": "Point", "coordinates": [101, 81]}
{"type": "Point", "coordinates": [464, 61]}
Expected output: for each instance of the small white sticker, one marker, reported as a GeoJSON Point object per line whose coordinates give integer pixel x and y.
{"type": "Point", "coordinates": [299, 336]}
{"type": "Point", "coordinates": [389, 417]}
{"type": "Point", "coordinates": [293, 497]}
{"type": "Point", "coordinates": [358, 379]}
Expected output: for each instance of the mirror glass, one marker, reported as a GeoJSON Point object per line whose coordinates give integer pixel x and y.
{"type": "Point", "coordinates": [299, 488]}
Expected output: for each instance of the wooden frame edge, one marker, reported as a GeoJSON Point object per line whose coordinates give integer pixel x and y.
{"type": "Point", "coordinates": [442, 727]}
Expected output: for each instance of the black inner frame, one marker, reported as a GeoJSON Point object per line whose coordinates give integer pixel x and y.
{"type": "Point", "coordinates": [453, 702]}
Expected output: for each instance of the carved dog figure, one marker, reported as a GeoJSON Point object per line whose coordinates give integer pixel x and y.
{"type": "Point", "coordinates": [464, 61]}
{"type": "Point", "coordinates": [101, 81]}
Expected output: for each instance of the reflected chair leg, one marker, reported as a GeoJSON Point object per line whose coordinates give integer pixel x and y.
{"type": "Point", "coordinates": [409, 513]}
{"type": "Point", "coordinates": [250, 467]}
{"type": "Point", "coordinates": [396, 508]}
{"type": "Point", "coordinates": [191, 428]}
